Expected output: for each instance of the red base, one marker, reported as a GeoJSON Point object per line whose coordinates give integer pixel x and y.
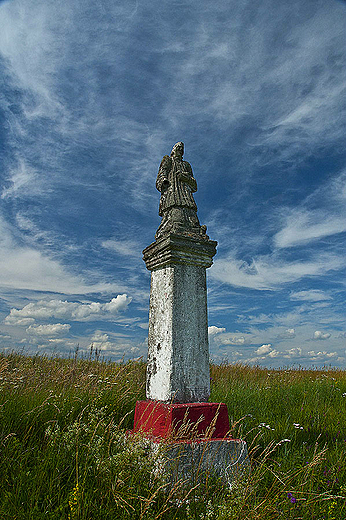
{"type": "Point", "coordinates": [182, 420]}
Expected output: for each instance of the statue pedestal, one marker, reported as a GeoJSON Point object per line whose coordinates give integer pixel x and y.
{"type": "Point", "coordinates": [186, 464]}
{"type": "Point", "coordinates": [190, 432]}
{"type": "Point", "coordinates": [193, 441]}
{"type": "Point", "coordinates": [181, 421]}
{"type": "Point", "coordinates": [178, 351]}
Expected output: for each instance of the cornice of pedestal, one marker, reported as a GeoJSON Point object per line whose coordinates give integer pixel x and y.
{"type": "Point", "coordinates": [179, 249]}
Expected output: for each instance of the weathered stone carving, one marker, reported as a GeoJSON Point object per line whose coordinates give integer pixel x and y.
{"type": "Point", "coordinates": [178, 351]}
{"type": "Point", "coordinates": [177, 184]}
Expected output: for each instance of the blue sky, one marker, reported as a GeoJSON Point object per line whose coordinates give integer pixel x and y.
{"type": "Point", "coordinates": [93, 94]}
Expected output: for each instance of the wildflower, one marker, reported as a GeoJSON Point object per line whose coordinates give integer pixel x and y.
{"type": "Point", "coordinates": [284, 440]}
{"type": "Point", "coordinates": [264, 425]}
{"type": "Point", "coordinates": [293, 500]}
{"type": "Point", "coordinates": [297, 426]}
{"type": "Point", "coordinates": [74, 501]}
{"type": "Point", "coordinates": [344, 394]}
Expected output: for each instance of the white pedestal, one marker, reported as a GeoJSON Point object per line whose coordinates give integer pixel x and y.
{"type": "Point", "coordinates": [178, 351]}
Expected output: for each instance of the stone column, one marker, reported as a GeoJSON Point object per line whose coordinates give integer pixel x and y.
{"type": "Point", "coordinates": [178, 351]}
{"type": "Point", "coordinates": [178, 382]}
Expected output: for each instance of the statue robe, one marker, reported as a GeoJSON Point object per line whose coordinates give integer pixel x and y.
{"type": "Point", "coordinates": [176, 183]}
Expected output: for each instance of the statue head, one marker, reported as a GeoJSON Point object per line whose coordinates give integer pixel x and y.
{"type": "Point", "coordinates": [178, 149]}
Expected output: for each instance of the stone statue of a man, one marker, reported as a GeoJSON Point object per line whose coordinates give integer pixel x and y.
{"type": "Point", "coordinates": [177, 184]}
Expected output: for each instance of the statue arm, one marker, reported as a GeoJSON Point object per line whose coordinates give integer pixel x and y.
{"type": "Point", "coordinates": [188, 177]}
{"type": "Point", "coordinates": [162, 182]}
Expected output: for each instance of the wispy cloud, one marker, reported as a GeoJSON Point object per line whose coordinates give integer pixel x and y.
{"type": "Point", "coordinates": [270, 272]}
{"type": "Point", "coordinates": [313, 295]}
{"type": "Point", "coordinates": [321, 215]}
{"type": "Point", "coordinates": [96, 93]}
{"type": "Point", "coordinates": [122, 247]}
{"type": "Point", "coordinates": [21, 177]}
{"type": "Point", "coordinates": [302, 227]}
{"type": "Point", "coordinates": [25, 267]}
{"type": "Point", "coordinates": [29, 269]}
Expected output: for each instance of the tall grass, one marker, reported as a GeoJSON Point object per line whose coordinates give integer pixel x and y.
{"type": "Point", "coordinates": [65, 452]}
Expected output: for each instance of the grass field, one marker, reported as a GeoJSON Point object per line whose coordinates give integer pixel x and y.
{"type": "Point", "coordinates": [65, 454]}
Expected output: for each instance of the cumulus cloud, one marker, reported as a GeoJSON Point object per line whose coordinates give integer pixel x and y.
{"type": "Point", "coordinates": [293, 352]}
{"type": "Point", "coordinates": [319, 335]}
{"type": "Point", "coordinates": [101, 341]}
{"type": "Point", "coordinates": [287, 334]}
{"type": "Point", "coordinates": [274, 353]}
{"type": "Point", "coordinates": [264, 349]}
{"type": "Point", "coordinates": [46, 309]}
{"type": "Point", "coordinates": [232, 339]}
{"type": "Point", "coordinates": [212, 330]}
{"type": "Point", "coordinates": [322, 356]}
{"type": "Point", "coordinates": [48, 330]}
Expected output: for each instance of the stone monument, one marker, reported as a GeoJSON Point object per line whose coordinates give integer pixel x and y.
{"type": "Point", "coordinates": [178, 379]}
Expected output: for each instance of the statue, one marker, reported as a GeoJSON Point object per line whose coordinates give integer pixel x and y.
{"type": "Point", "coordinates": [177, 184]}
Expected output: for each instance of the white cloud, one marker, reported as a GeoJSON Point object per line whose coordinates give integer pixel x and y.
{"type": "Point", "coordinates": [274, 354]}
{"type": "Point", "coordinates": [322, 356]}
{"type": "Point", "coordinates": [269, 272]}
{"type": "Point", "coordinates": [313, 295]}
{"type": "Point", "coordinates": [212, 330]}
{"type": "Point", "coordinates": [45, 309]}
{"type": "Point", "coordinates": [319, 335]}
{"type": "Point", "coordinates": [122, 247]}
{"type": "Point", "coordinates": [22, 322]}
{"type": "Point", "coordinates": [117, 304]}
{"type": "Point", "coordinates": [287, 334]}
{"type": "Point", "coordinates": [232, 339]}
{"type": "Point", "coordinates": [293, 352]}
{"type": "Point", "coordinates": [22, 177]}
{"type": "Point", "coordinates": [101, 341]}
{"type": "Point", "coordinates": [264, 349]}
{"type": "Point", "coordinates": [303, 227]}
{"type": "Point", "coordinates": [48, 330]}
{"type": "Point", "coordinates": [144, 325]}
{"type": "Point", "coordinates": [27, 268]}
{"type": "Point", "coordinates": [322, 214]}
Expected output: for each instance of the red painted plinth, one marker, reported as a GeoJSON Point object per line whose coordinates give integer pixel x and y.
{"type": "Point", "coordinates": [181, 420]}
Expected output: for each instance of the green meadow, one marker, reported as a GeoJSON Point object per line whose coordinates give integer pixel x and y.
{"type": "Point", "coordinates": [65, 453]}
